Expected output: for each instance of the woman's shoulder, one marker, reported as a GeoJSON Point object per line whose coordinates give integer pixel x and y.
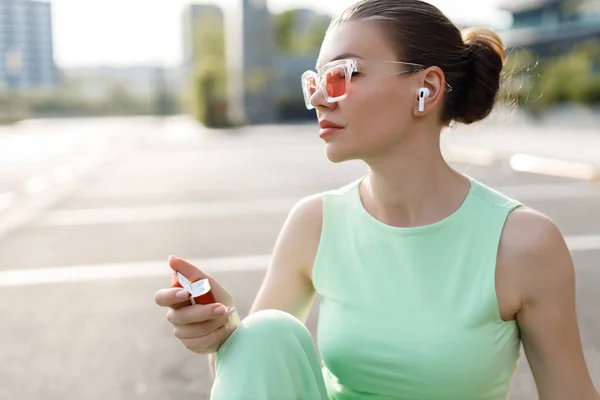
{"type": "Point", "coordinates": [530, 246]}
{"type": "Point", "coordinates": [306, 215]}
{"type": "Point", "coordinates": [528, 231]}
{"type": "Point", "coordinates": [492, 197]}
{"type": "Point", "coordinates": [309, 209]}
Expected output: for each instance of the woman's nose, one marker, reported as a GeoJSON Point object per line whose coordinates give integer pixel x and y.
{"type": "Point", "coordinates": [318, 101]}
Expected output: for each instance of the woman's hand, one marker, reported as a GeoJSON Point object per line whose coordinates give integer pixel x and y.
{"type": "Point", "coordinates": [201, 328]}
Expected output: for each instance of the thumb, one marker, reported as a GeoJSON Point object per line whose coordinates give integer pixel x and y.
{"type": "Point", "coordinates": [188, 270]}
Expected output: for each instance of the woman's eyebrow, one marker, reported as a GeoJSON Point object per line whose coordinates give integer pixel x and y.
{"type": "Point", "coordinates": [344, 56]}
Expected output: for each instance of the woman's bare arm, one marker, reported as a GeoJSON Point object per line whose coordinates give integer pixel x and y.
{"type": "Point", "coordinates": [288, 281]}
{"type": "Point", "coordinates": [536, 250]}
{"type": "Point", "coordinates": [288, 284]}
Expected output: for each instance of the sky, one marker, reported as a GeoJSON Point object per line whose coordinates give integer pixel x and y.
{"type": "Point", "coordinates": [135, 32]}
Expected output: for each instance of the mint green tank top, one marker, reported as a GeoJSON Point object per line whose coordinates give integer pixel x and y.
{"type": "Point", "coordinates": [412, 313]}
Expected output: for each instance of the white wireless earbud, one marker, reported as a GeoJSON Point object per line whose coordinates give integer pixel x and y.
{"type": "Point", "coordinates": [423, 94]}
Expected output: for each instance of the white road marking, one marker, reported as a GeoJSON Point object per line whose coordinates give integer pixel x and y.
{"type": "Point", "coordinates": [218, 209]}
{"type": "Point", "coordinates": [583, 242]}
{"type": "Point", "coordinates": [553, 191]}
{"type": "Point", "coordinates": [554, 167]}
{"type": "Point", "coordinates": [94, 273]}
{"type": "Point", "coordinates": [170, 212]}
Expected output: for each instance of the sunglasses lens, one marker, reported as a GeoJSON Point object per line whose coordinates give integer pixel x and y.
{"type": "Point", "coordinates": [335, 82]}
{"type": "Point", "coordinates": [310, 86]}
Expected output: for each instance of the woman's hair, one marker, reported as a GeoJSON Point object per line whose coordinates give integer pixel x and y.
{"type": "Point", "coordinates": [472, 60]}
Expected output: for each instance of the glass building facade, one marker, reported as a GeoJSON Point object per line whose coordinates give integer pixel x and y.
{"type": "Point", "coordinates": [552, 26]}
{"type": "Point", "coordinates": [26, 48]}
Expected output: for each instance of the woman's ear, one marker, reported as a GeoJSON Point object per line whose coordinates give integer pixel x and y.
{"type": "Point", "coordinates": [430, 93]}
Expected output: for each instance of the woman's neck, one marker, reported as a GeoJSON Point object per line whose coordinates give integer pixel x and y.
{"type": "Point", "coordinates": [412, 189]}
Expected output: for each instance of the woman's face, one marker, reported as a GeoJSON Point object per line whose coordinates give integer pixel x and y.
{"type": "Point", "coordinates": [378, 111]}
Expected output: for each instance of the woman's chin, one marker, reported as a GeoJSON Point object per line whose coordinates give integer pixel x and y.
{"type": "Point", "coordinates": [337, 155]}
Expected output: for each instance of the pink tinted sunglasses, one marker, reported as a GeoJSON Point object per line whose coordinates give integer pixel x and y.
{"type": "Point", "coordinates": [334, 81]}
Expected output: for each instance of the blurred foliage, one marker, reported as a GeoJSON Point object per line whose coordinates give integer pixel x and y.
{"type": "Point", "coordinates": [571, 7]}
{"type": "Point", "coordinates": [11, 107]}
{"type": "Point", "coordinates": [66, 101]}
{"type": "Point", "coordinates": [72, 97]}
{"type": "Point", "coordinates": [209, 37]}
{"type": "Point", "coordinates": [283, 30]}
{"type": "Point", "coordinates": [119, 101]}
{"type": "Point", "coordinates": [292, 38]}
{"type": "Point", "coordinates": [206, 93]}
{"type": "Point", "coordinates": [539, 83]}
{"type": "Point", "coordinates": [206, 97]}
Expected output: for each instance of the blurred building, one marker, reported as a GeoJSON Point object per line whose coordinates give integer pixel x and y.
{"type": "Point", "coordinates": [264, 86]}
{"type": "Point", "coordinates": [552, 26]}
{"type": "Point", "coordinates": [249, 51]}
{"type": "Point", "coordinates": [194, 14]}
{"type": "Point", "coordinates": [26, 48]}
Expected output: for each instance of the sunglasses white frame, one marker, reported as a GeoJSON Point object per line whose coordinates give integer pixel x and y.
{"type": "Point", "coordinates": [350, 66]}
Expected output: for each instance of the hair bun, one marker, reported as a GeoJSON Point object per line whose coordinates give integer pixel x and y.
{"type": "Point", "coordinates": [484, 37]}
{"type": "Point", "coordinates": [485, 59]}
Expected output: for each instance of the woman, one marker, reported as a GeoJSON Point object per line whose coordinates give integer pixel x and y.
{"type": "Point", "coordinates": [429, 280]}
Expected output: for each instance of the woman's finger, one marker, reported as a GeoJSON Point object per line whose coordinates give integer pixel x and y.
{"type": "Point", "coordinates": [209, 343]}
{"type": "Point", "coordinates": [173, 297]}
{"type": "Point", "coordinates": [199, 329]}
{"type": "Point", "coordinates": [195, 313]}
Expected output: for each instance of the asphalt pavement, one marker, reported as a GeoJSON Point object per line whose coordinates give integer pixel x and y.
{"type": "Point", "coordinates": [93, 208]}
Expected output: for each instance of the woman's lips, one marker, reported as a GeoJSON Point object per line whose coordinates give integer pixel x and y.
{"type": "Point", "coordinates": [326, 132]}
{"type": "Point", "coordinates": [328, 128]}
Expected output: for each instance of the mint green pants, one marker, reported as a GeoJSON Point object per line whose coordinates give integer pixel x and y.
{"type": "Point", "coordinates": [270, 356]}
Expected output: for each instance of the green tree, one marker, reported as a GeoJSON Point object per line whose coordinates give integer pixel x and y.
{"type": "Point", "coordinates": [209, 36]}
{"type": "Point", "coordinates": [121, 101]}
{"type": "Point", "coordinates": [291, 38]}
{"type": "Point", "coordinates": [316, 33]}
{"type": "Point", "coordinates": [206, 92]}
{"type": "Point", "coordinates": [207, 95]}
{"type": "Point", "coordinates": [539, 83]}
{"type": "Point", "coordinates": [569, 78]}
{"type": "Point", "coordinates": [283, 29]}
{"type": "Point", "coordinates": [571, 7]}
